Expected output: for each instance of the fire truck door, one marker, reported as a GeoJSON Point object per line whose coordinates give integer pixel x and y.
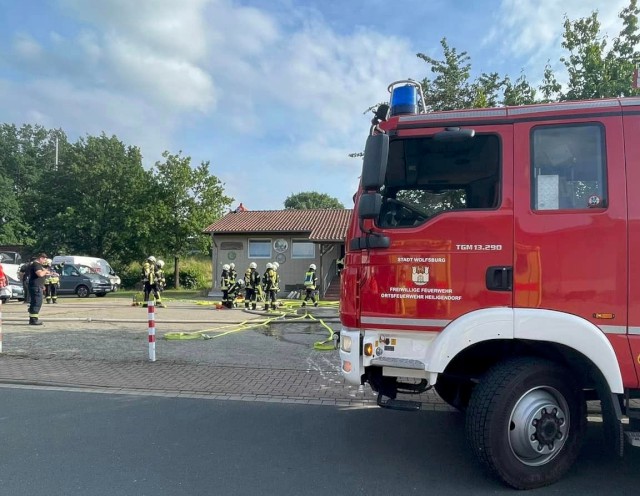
{"type": "Point", "coordinates": [570, 228]}
{"type": "Point", "coordinates": [454, 261]}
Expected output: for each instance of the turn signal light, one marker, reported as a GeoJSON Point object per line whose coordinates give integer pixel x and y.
{"type": "Point", "coordinates": [604, 316]}
{"type": "Point", "coordinates": [368, 349]}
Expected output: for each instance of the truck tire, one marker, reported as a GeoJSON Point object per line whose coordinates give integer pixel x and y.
{"type": "Point", "coordinates": [82, 291]}
{"type": "Point", "coordinates": [526, 421]}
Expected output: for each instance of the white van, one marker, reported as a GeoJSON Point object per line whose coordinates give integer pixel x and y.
{"type": "Point", "coordinates": [98, 265]}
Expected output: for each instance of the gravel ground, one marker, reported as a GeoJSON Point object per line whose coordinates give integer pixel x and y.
{"type": "Point", "coordinates": [113, 330]}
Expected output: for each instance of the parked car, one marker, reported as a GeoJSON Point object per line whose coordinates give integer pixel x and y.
{"type": "Point", "coordinates": [97, 265]}
{"type": "Point", "coordinates": [17, 291]}
{"type": "Point", "coordinates": [5, 293]}
{"type": "Point", "coordinates": [80, 280]}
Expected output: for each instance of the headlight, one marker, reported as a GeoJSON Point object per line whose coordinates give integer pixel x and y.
{"type": "Point", "coordinates": [345, 343]}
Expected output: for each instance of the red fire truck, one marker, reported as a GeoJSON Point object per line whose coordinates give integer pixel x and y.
{"type": "Point", "coordinates": [493, 256]}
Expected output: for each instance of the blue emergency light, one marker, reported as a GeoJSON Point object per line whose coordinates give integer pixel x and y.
{"type": "Point", "coordinates": [404, 100]}
{"type": "Point", "coordinates": [406, 96]}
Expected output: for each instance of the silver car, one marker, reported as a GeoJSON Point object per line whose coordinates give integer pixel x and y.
{"type": "Point", "coordinates": [17, 290]}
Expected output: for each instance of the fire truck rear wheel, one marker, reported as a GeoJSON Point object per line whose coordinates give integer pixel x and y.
{"type": "Point", "coordinates": [526, 421]}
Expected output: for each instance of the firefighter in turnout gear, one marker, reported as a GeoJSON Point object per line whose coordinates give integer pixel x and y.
{"type": "Point", "coordinates": [149, 279]}
{"type": "Point", "coordinates": [251, 286]}
{"type": "Point", "coordinates": [160, 282]}
{"type": "Point", "coordinates": [310, 285]}
{"type": "Point", "coordinates": [236, 289]}
{"type": "Point", "coordinates": [233, 273]}
{"type": "Point", "coordinates": [225, 285]}
{"type": "Point", "coordinates": [51, 282]}
{"type": "Point", "coordinates": [270, 287]}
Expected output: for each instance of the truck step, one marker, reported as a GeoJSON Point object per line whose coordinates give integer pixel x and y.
{"type": "Point", "coordinates": [395, 404]}
{"type": "Point", "coordinates": [633, 438]}
{"type": "Point", "coordinates": [633, 413]}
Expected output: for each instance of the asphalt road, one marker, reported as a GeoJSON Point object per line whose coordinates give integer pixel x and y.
{"type": "Point", "coordinates": [74, 443]}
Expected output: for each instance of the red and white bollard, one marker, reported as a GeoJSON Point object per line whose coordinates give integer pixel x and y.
{"type": "Point", "coordinates": [152, 329]}
{"type": "Point", "coordinates": [0, 326]}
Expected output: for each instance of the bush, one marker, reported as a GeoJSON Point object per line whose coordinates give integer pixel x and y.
{"type": "Point", "coordinates": [131, 276]}
{"type": "Point", "coordinates": [194, 274]}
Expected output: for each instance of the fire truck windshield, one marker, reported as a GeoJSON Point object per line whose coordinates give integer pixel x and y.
{"type": "Point", "coordinates": [426, 176]}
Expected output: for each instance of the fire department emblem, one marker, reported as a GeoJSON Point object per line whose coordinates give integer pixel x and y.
{"type": "Point", "coordinates": [420, 275]}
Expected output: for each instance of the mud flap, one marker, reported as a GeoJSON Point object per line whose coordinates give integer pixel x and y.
{"type": "Point", "coordinates": [612, 420]}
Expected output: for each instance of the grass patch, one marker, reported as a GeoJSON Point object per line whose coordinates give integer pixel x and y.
{"type": "Point", "coordinates": [172, 294]}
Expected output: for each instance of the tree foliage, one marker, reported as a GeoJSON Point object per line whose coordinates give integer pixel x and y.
{"type": "Point", "coordinates": [594, 67]}
{"type": "Point", "coordinates": [311, 199]}
{"type": "Point", "coordinates": [190, 198]}
{"type": "Point", "coordinates": [594, 70]}
{"type": "Point", "coordinates": [99, 199]}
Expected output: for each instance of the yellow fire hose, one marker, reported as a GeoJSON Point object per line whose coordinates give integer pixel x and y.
{"type": "Point", "coordinates": [287, 313]}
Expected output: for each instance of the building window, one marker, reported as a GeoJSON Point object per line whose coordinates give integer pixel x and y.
{"type": "Point", "coordinates": [568, 167]}
{"type": "Point", "coordinates": [259, 248]}
{"type": "Point", "coordinates": [231, 245]}
{"type": "Point", "coordinates": [303, 249]}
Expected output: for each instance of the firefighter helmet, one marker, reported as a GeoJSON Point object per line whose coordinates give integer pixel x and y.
{"type": "Point", "coordinates": [312, 266]}
{"type": "Point", "coordinates": [152, 259]}
{"type": "Point", "coordinates": [225, 267]}
{"type": "Point", "coordinates": [269, 265]}
{"type": "Point", "coordinates": [253, 265]}
{"type": "Point", "coordinates": [160, 263]}
{"type": "Point", "coordinates": [232, 265]}
{"type": "Point", "coordinates": [276, 265]}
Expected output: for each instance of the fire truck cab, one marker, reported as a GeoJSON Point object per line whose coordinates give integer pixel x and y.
{"type": "Point", "coordinates": [494, 255]}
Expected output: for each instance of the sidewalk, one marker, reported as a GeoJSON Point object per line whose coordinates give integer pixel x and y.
{"type": "Point", "coordinates": [101, 345]}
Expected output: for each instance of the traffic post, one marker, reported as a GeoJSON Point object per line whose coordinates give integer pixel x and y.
{"type": "Point", "coordinates": [151, 314]}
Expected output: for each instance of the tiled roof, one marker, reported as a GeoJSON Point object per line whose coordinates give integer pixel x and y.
{"type": "Point", "coordinates": [321, 224]}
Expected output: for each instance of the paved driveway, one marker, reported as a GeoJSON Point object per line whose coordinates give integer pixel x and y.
{"type": "Point", "coordinates": [103, 343]}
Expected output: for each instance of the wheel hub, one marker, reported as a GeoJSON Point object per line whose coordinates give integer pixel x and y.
{"type": "Point", "coordinates": [538, 426]}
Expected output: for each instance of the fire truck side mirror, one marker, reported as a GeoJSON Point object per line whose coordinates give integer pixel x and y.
{"type": "Point", "coordinates": [374, 164]}
{"type": "Point", "coordinates": [370, 205]}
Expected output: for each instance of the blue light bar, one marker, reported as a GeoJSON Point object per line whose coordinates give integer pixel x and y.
{"type": "Point", "coordinates": [404, 100]}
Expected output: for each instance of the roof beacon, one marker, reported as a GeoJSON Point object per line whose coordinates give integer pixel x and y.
{"type": "Point", "coordinates": [406, 97]}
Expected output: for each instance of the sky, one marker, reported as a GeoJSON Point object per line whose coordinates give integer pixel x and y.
{"type": "Point", "coordinates": [272, 93]}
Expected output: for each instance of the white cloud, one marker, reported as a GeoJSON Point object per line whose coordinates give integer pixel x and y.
{"type": "Point", "coordinates": [532, 29]}
{"type": "Point", "coordinates": [156, 48]}
{"type": "Point", "coordinates": [168, 81]}
{"type": "Point", "coordinates": [288, 91]}
{"type": "Point", "coordinates": [25, 46]}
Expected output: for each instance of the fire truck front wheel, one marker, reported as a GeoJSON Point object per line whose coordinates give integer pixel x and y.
{"type": "Point", "coordinates": [526, 421]}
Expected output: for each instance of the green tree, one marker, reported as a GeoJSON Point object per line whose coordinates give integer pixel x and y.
{"type": "Point", "coordinates": [452, 87]}
{"type": "Point", "coordinates": [595, 70]}
{"type": "Point", "coordinates": [185, 200]}
{"type": "Point", "coordinates": [12, 227]}
{"type": "Point", "coordinates": [311, 199]}
{"type": "Point", "coordinates": [518, 92]}
{"type": "Point", "coordinates": [26, 155]}
{"type": "Point", "coordinates": [550, 88]}
{"type": "Point", "coordinates": [98, 201]}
